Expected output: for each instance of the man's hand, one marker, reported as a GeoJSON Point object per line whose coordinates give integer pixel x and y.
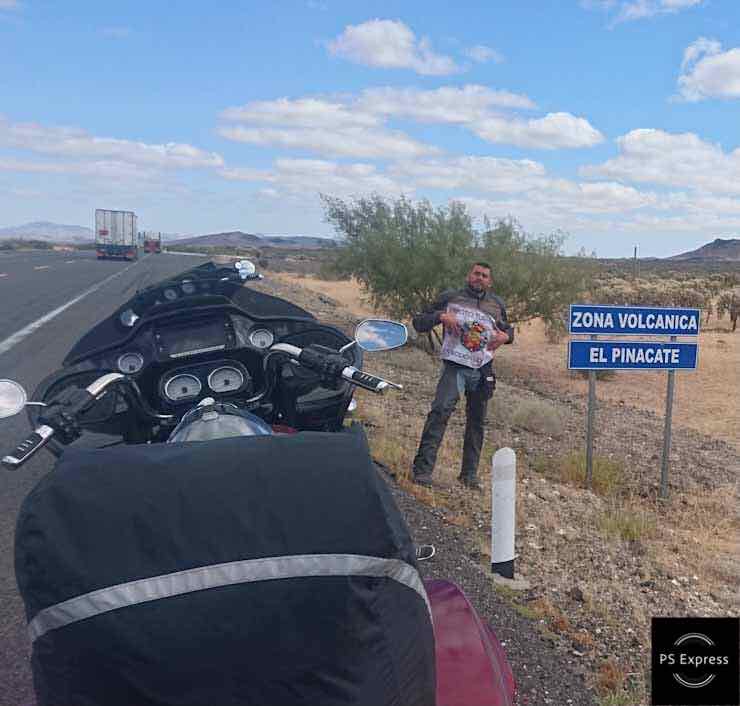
{"type": "Point", "coordinates": [449, 321]}
{"type": "Point", "coordinates": [499, 338]}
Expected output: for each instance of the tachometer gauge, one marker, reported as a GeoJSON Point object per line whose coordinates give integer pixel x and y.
{"type": "Point", "coordinates": [131, 363]}
{"type": "Point", "coordinates": [170, 294]}
{"type": "Point", "coordinates": [261, 338]}
{"type": "Point", "coordinates": [182, 387]}
{"type": "Point", "coordinates": [188, 287]}
{"type": "Point", "coordinates": [225, 379]}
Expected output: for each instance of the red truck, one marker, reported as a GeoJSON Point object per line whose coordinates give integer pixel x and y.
{"type": "Point", "coordinates": [153, 242]}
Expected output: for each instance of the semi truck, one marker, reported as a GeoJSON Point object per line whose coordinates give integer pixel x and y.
{"type": "Point", "coordinates": [152, 242]}
{"type": "Point", "coordinates": [116, 235]}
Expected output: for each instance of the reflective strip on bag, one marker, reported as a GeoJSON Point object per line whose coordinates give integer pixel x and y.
{"type": "Point", "coordinates": [232, 573]}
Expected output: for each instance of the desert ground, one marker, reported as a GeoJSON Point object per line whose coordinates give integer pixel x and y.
{"type": "Point", "coordinates": [600, 561]}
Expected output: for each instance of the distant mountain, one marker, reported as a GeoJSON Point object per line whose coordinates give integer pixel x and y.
{"type": "Point", "coordinates": [238, 239]}
{"type": "Point", "coordinates": [45, 230]}
{"type": "Point", "coordinates": [719, 249]}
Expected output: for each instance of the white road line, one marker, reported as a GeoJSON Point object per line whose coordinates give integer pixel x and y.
{"type": "Point", "coordinates": [3, 274]}
{"type": "Point", "coordinates": [69, 262]}
{"type": "Point", "coordinates": [42, 267]}
{"type": "Point", "coordinates": [18, 336]}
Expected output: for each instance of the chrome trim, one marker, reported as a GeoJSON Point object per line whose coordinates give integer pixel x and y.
{"type": "Point", "coordinates": [226, 367]}
{"type": "Point", "coordinates": [176, 377]}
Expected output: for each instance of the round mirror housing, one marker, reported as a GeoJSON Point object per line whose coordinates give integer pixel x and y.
{"type": "Point", "coordinates": [245, 266]}
{"type": "Point", "coordinates": [129, 318]}
{"type": "Point", "coordinates": [380, 335]}
{"type": "Point", "coordinates": [13, 398]}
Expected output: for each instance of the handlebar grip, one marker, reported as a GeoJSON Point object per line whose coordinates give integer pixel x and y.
{"type": "Point", "coordinates": [35, 441]}
{"type": "Point", "coordinates": [364, 380]}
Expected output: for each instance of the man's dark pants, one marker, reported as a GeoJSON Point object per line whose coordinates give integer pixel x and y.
{"type": "Point", "coordinates": [455, 380]}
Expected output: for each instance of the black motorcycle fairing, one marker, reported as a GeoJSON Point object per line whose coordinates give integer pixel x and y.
{"type": "Point", "coordinates": [211, 293]}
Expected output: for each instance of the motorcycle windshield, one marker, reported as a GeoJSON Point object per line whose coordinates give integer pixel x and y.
{"type": "Point", "coordinates": [204, 286]}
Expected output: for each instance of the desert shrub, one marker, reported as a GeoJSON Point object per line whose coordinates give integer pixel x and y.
{"type": "Point", "coordinates": [406, 253]}
{"type": "Point", "coordinates": [627, 523]}
{"type": "Point", "coordinates": [537, 416]}
{"type": "Point", "coordinates": [607, 475]}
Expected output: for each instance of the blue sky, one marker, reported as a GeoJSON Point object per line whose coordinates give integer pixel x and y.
{"type": "Point", "coordinates": [615, 121]}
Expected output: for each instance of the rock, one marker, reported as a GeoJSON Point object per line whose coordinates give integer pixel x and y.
{"type": "Point", "coordinates": [576, 593]}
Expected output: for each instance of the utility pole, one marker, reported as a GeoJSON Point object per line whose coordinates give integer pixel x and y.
{"type": "Point", "coordinates": [635, 266]}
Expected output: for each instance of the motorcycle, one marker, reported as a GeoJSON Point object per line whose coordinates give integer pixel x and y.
{"type": "Point", "coordinates": [235, 545]}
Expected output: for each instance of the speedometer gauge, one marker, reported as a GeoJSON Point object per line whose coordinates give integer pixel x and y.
{"type": "Point", "coordinates": [261, 338]}
{"type": "Point", "coordinates": [225, 379]}
{"type": "Point", "coordinates": [170, 294]}
{"type": "Point", "coordinates": [131, 363]}
{"type": "Point", "coordinates": [182, 387]}
{"type": "Point", "coordinates": [188, 287]}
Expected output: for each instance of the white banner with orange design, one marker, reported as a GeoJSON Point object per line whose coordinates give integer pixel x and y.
{"type": "Point", "coordinates": [476, 330]}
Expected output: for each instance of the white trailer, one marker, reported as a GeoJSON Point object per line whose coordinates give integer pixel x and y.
{"type": "Point", "coordinates": [116, 234]}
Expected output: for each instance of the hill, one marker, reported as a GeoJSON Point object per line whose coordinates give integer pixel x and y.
{"type": "Point", "coordinates": [718, 249]}
{"type": "Point", "coordinates": [45, 230]}
{"type": "Point", "coordinates": [239, 239]}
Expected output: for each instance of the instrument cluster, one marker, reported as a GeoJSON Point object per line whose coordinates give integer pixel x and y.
{"type": "Point", "coordinates": [216, 378]}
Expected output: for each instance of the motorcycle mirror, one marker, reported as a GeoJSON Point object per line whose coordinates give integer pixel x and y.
{"type": "Point", "coordinates": [380, 335]}
{"type": "Point", "coordinates": [13, 398]}
{"type": "Point", "coordinates": [245, 266]}
{"type": "Point", "coordinates": [129, 318]}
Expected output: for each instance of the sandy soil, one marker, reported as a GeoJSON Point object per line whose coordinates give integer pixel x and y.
{"type": "Point", "coordinates": [704, 400]}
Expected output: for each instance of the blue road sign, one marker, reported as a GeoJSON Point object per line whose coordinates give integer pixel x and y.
{"type": "Point", "coordinates": [633, 320]}
{"type": "Point", "coordinates": [631, 355]}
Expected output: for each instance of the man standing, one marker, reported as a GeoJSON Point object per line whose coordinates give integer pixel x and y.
{"type": "Point", "coordinates": [475, 325]}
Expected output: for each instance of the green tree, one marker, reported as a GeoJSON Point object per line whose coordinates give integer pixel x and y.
{"type": "Point", "coordinates": [405, 253]}
{"type": "Point", "coordinates": [531, 273]}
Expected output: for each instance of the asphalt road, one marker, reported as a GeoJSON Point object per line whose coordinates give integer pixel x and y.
{"type": "Point", "coordinates": [32, 285]}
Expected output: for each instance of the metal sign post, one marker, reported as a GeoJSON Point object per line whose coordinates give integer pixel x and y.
{"type": "Point", "coordinates": [667, 433]}
{"type": "Point", "coordinates": [590, 424]}
{"type": "Point", "coordinates": [593, 355]}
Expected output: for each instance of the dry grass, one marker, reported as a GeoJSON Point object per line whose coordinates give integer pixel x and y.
{"type": "Point", "coordinates": [628, 522]}
{"type": "Point", "coordinates": [607, 474]}
{"type": "Point", "coordinates": [705, 399]}
{"type": "Point", "coordinates": [693, 533]}
{"type": "Point", "coordinates": [348, 292]}
{"type": "Point", "coordinates": [538, 416]}
{"type": "Point", "coordinates": [610, 677]}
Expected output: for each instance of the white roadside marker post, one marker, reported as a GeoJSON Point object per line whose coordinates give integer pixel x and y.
{"type": "Point", "coordinates": [503, 512]}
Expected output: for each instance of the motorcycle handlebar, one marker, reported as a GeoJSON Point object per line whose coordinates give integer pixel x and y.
{"type": "Point", "coordinates": [40, 436]}
{"type": "Point", "coordinates": [311, 358]}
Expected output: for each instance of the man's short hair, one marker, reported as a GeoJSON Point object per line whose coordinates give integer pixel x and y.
{"type": "Point", "coordinates": [481, 263]}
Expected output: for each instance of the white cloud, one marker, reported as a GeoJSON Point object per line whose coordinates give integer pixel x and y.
{"type": "Point", "coordinates": [708, 72]}
{"type": "Point", "coordinates": [305, 178]}
{"type": "Point", "coordinates": [669, 159]}
{"type": "Point", "coordinates": [101, 170]}
{"type": "Point", "coordinates": [390, 44]}
{"type": "Point", "coordinates": [76, 143]}
{"type": "Point", "coordinates": [9, 4]}
{"type": "Point", "coordinates": [483, 54]}
{"type": "Point", "coordinates": [486, 174]}
{"type": "Point", "coordinates": [301, 112]}
{"type": "Point", "coordinates": [340, 142]}
{"type": "Point", "coordinates": [555, 130]}
{"type": "Point", "coordinates": [355, 126]}
{"type": "Point", "coordinates": [630, 10]}
{"type": "Point", "coordinates": [448, 104]}
{"type": "Point", "coordinates": [246, 174]}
